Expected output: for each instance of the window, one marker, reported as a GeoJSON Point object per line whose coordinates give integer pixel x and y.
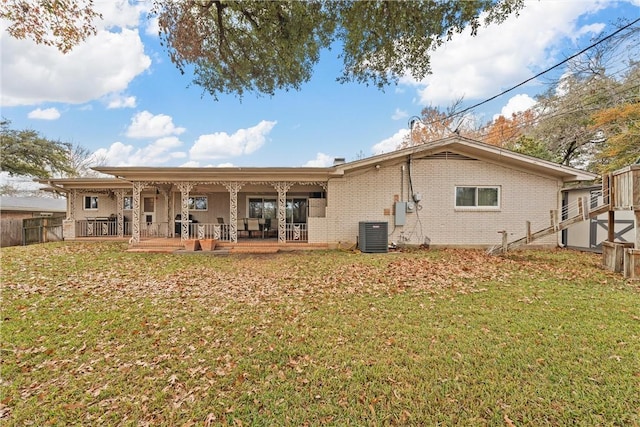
{"type": "Point", "coordinates": [262, 208]}
{"type": "Point", "coordinates": [90, 203]}
{"type": "Point", "coordinates": [477, 197]}
{"type": "Point", "coordinates": [296, 210]}
{"type": "Point", "coordinates": [127, 203]}
{"type": "Point", "coordinates": [198, 203]}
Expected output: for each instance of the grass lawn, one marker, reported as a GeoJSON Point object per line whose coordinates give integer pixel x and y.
{"type": "Point", "coordinates": [92, 335]}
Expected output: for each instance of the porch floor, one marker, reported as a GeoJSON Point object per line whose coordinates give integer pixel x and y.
{"type": "Point", "coordinates": [246, 246]}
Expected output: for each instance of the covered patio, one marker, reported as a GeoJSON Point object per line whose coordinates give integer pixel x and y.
{"type": "Point", "coordinates": [226, 204]}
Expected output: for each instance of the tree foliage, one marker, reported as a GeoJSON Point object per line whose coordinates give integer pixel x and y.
{"type": "Point", "coordinates": [60, 23]}
{"type": "Point", "coordinates": [256, 46]}
{"type": "Point", "coordinates": [434, 124]}
{"type": "Point", "coordinates": [26, 152]}
{"type": "Point", "coordinates": [622, 147]}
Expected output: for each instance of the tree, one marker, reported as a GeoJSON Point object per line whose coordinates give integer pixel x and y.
{"type": "Point", "coordinates": [593, 82]}
{"type": "Point", "coordinates": [434, 124]}
{"type": "Point", "coordinates": [531, 147]}
{"type": "Point", "coordinates": [26, 152]}
{"type": "Point", "coordinates": [60, 23]}
{"type": "Point", "coordinates": [505, 132]}
{"type": "Point", "coordinates": [81, 162]}
{"type": "Point", "coordinates": [621, 124]}
{"type": "Point", "coordinates": [261, 47]}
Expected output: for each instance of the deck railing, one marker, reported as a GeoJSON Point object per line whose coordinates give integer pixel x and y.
{"type": "Point", "coordinates": [209, 231]}
{"type": "Point", "coordinates": [100, 228]}
{"type": "Point", "coordinates": [154, 229]}
{"type": "Point", "coordinates": [296, 232]}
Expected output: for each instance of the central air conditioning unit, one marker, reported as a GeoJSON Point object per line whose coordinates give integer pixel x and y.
{"type": "Point", "coordinates": [373, 237]}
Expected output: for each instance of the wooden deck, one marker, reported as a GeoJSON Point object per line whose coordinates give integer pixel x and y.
{"type": "Point", "coordinates": [245, 246]}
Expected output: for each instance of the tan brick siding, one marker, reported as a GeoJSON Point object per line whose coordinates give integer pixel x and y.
{"type": "Point", "coordinates": [369, 194]}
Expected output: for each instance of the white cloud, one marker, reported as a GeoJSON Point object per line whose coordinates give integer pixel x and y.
{"type": "Point", "coordinates": [516, 104]}
{"type": "Point", "coordinates": [399, 114]}
{"type": "Point", "coordinates": [158, 152]}
{"type": "Point", "coordinates": [321, 161]}
{"type": "Point", "coordinates": [153, 26]}
{"type": "Point", "coordinates": [391, 143]}
{"type": "Point", "coordinates": [46, 114]}
{"type": "Point", "coordinates": [220, 144]}
{"type": "Point", "coordinates": [119, 101]}
{"type": "Point", "coordinates": [190, 164]}
{"type": "Point", "coordinates": [103, 64]}
{"type": "Point", "coordinates": [120, 13]}
{"type": "Point", "coordinates": [481, 66]}
{"type": "Point", "coordinates": [147, 125]}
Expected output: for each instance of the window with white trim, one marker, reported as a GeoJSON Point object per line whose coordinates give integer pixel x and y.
{"type": "Point", "coordinates": [481, 197]}
{"type": "Point", "coordinates": [127, 203]}
{"type": "Point", "coordinates": [90, 203]}
{"type": "Point", "coordinates": [198, 203]}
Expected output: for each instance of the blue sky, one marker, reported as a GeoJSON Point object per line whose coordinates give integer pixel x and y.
{"type": "Point", "coordinates": [119, 95]}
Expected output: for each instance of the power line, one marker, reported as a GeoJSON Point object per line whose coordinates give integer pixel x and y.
{"type": "Point", "coordinates": [458, 113]}
{"type": "Point", "coordinates": [547, 70]}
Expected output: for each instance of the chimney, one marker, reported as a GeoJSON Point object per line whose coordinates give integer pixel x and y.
{"type": "Point", "coordinates": [338, 161]}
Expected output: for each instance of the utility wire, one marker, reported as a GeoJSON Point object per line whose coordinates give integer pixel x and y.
{"type": "Point", "coordinates": [549, 69]}
{"type": "Point", "coordinates": [543, 72]}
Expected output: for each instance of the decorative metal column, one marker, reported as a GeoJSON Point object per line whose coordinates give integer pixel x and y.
{"type": "Point", "coordinates": [135, 220]}
{"type": "Point", "coordinates": [185, 188]}
{"type": "Point", "coordinates": [120, 211]}
{"type": "Point", "coordinates": [165, 190]}
{"type": "Point", "coordinates": [282, 188]}
{"type": "Point", "coordinates": [234, 189]}
{"type": "Point", "coordinates": [71, 214]}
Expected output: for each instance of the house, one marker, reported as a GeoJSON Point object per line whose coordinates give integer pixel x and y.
{"type": "Point", "coordinates": [452, 192]}
{"type": "Point", "coordinates": [13, 210]}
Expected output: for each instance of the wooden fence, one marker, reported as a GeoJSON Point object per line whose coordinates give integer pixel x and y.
{"type": "Point", "coordinates": [41, 230]}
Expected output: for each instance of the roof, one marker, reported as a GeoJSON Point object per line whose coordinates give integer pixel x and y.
{"type": "Point", "coordinates": [481, 151]}
{"type": "Point", "coordinates": [123, 175]}
{"type": "Point", "coordinates": [33, 204]}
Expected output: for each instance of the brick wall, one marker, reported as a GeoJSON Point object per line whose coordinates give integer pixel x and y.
{"type": "Point", "coordinates": [370, 193]}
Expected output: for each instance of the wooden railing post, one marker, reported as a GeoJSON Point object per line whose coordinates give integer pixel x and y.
{"type": "Point", "coordinates": [505, 243]}
{"type": "Point", "coordinates": [554, 219]}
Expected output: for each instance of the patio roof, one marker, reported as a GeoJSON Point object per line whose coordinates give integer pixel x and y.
{"type": "Point", "coordinates": [123, 175]}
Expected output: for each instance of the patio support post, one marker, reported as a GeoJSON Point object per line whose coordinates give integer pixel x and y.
{"type": "Point", "coordinates": [135, 220]}
{"type": "Point", "coordinates": [282, 188]}
{"type": "Point", "coordinates": [233, 188]}
{"type": "Point", "coordinates": [120, 211]}
{"type": "Point", "coordinates": [165, 190]}
{"type": "Point", "coordinates": [71, 210]}
{"type": "Point", "coordinates": [185, 188]}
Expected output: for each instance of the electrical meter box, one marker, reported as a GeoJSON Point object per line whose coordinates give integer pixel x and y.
{"type": "Point", "coordinates": [411, 207]}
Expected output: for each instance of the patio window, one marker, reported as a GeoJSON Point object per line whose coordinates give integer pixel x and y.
{"type": "Point", "coordinates": [127, 203]}
{"type": "Point", "coordinates": [260, 207]}
{"type": "Point", "coordinates": [478, 197]}
{"type": "Point", "coordinates": [90, 203]}
{"type": "Point", "coordinates": [198, 203]}
{"type": "Point", "coordinates": [296, 210]}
